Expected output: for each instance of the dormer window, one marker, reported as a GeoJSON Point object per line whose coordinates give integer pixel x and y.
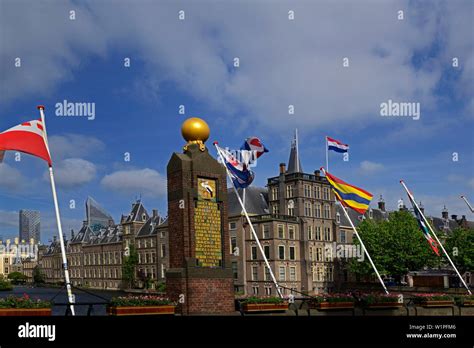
{"type": "Point", "coordinates": [144, 217]}
{"type": "Point", "coordinates": [371, 214]}
{"type": "Point", "coordinates": [338, 218]}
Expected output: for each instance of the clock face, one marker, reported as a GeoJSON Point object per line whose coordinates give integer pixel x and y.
{"type": "Point", "coordinates": [207, 189]}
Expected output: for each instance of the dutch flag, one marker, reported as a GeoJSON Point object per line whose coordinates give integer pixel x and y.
{"type": "Point", "coordinates": [336, 145]}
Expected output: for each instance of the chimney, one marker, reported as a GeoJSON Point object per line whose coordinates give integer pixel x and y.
{"type": "Point", "coordinates": [317, 173]}
{"type": "Point", "coordinates": [444, 213]}
{"type": "Point", "coordinates": [72, 234]}
{"type": "Point", "coordinates": [54, 239]}
{"type": "Point", "coordinates": [381, 203]}
{"type": "Point", "coordinates": [454, 217]}
{"type": "Point", "coordinates": [282, 168]}
{"type": "Point", "coordinates": [155, 213]}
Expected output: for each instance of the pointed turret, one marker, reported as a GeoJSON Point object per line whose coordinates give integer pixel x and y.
{"type": "Point", "coordinates": [294, 163]}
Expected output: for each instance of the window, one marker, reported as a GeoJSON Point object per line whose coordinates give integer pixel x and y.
{"type": "Point", "coordinates": [318, 232]}
{"type": "Point", "coordinates": [317, 192]}
{"type": "Point", "coordinates": [232, 225]}
{"type": "Point", "coordinates": [318, 211]}
{"type": "Point", "coordinates": [274, 193]}
{"type": "Point", "coordinates": [327, 233]}
{"type": "Point", "coordinates": [292, 253]}
{"type": "Point", "coordinates": [233, 244]}
{"type": "Point", "coordinates": [319, 254]}
{"type": "Point", "coordinates": [255, 290]}
{"type": "Point", "coordinates": [329, 274]}
{"type": "Point", "coordinates": [139, 244]}
{"type": "Point", "coordinates": [254, 272]}
{"type": "Point", "coordinates": [266, 231]}
{"type": "Point", "coordinates": [275, 209]}
{"type": "Point", "coordinates": [291, 232]}
{"type": "Point", "coordinates": [311, 255]}
{"type": "Point", "coordinates": [254, 253]}
{"type": "Point", "coordinates": [307, 191]}
{"type": "Point", "coordinates": [267, 275]}
{"type": "Point", "coordinates": [235, 270]}
{"type": "Point", "coordinates": [328, 255]}
{"type": "Point", "coordinates": [293, 273]}
{"type": "Point", "coordinates": [327, 211]}
{"type": "Point", "coordinates": [143, 217]}
{"type": "Point", "coordinates": [266, 249]}
{"type": "Point", "coordinates": [268, 290]}
{"type": "Point", "coordinates": [291, 209]}
{"type": "Point", "coordinates": [325, 193]}
{"type": "Point", "coordinates": [307, 209]}
{"type": "Point", "coordinates": [289, 191]}
{"type": "Point", "coordinates": [281, 252]}
{"type": "Point", "coordinates": [342, 236]}
{"type": "Point", "coordinates": [162, 234]}
{"type": "Point", "coordinates": [281, 231]}
{"type": "Point", "coordinates": [163, 250]}
{"type": "Point", "coordinates": [310, 232]}
{"type": "Point", "coordinates": [338, 218]}
{"type": "Point", "coordinates": [163, 270]}
{"type": "Point", "coordinates": [282, 273]}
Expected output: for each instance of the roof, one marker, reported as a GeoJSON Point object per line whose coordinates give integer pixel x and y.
{"type": "Point", "coordinates": [256, 201]}
{"type": "Point", "coordinates": [150, 228]}
{"type": "Point", "coordinates": [136, 214]}
{"type": "Point", "coordinates": [294, 162]}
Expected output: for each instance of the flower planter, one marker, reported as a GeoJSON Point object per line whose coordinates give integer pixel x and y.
{"type": "Point", "coordinates": [332, 305]}
{"type": "Point", "coordinates": [25, 312]}
{"type": "Point", "coordinates": [436, 303]}
{"type": "Point", "coordinates": [466, 303]}
{"type": "Point", "coordinates": [384, 305]}
{"type": "Point", "coordinates": [264, 307]}
{"type": "Point", "coordinates": [141, 310]}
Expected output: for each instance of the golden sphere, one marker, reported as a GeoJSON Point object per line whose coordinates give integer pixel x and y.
{"type": "Point", "coordinates": [194, 129]}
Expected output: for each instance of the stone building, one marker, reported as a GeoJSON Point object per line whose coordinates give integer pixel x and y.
{"type": "Point", "coordinates": [295, 220]}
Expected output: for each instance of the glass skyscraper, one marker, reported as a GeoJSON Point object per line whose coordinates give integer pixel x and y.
{"type": "Point", "coordinates": [97, 217]}
{"type": "Point", "coordinates": [30, 225]}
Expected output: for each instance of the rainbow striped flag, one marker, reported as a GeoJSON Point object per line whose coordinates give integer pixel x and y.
{"type": "Point", "coordinates": [350, 195]}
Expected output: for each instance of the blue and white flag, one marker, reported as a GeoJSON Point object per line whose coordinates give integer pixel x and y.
{"type": "Point", "coordinates": [251, 150]}
{"type": "Point", "coordinates": [241, 175]}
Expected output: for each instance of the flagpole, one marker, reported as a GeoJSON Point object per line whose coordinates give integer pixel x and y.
{"type": "Point", "coordinates": [434, 234]}
{"type": "Point", "coordinates": [327, 156]}
{"type": "Point", "coordinates": [470, 207]}
{"type": "Point", "coordinates": [362, 243]}
{"type": "Point", "coordinates": [243, 196]}
{"type": "Point", "coordinates": [58, 219]}
{"type": "Point", "coordinates": [249, 222]}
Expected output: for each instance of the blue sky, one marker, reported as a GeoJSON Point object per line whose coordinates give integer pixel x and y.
{"type": "Point", "coordinates": [282, 62]}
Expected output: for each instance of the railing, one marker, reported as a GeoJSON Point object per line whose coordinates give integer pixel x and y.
{"type": "Point", "coordinates": [264, 217]}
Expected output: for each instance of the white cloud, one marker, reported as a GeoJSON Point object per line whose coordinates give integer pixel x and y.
{"type": "Point", "coordinates": [147, 182]}
{"type": "Point", "coordinates": [73, 172]}
{"type": "Point", "coordinates": [282, 62]}
{"type": "Point", "coordinates": [74, 146]}
{"type": "Point", "coordinates": [368, 167]}
{"type": "Point", "coordinates": [11, 178]}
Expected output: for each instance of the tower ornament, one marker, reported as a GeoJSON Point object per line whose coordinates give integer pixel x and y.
{"type": "Point", "coordinates": [195, 131]}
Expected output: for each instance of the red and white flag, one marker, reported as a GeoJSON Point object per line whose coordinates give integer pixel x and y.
{"type": "Point", "coordinates": [28, 137]}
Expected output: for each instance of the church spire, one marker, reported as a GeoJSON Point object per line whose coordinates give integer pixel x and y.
{"type": "Point", "coordinates": [294, 163]}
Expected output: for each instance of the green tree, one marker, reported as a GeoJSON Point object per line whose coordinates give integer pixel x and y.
{"type": "Point", "coordinates": [17, 277]}
{"type": "Point", "coordinates": [38, 276]}
{"type": "Point", "coordinates": [460, 247]}
{"type": "Point", "coordinates": [396, 246]}
{"type": "Point", "coordinates": [129, 265]}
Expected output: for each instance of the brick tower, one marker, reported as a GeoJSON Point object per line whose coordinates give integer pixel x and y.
{"type": "Point", "coordinates": [200, 272]}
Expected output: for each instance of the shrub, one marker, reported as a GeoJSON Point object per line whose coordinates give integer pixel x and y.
{"type": "Point", "coordinates": [255, 299]}
{"type": "Point", "coordinates": [372, 298]}
{"type": "Point", "coordinates": [332, 298]}
{"type": "Point", "coordinates": [460, 299]}
{"type": "Point", "coordinates": [142, 300]}
{"type": "Point", "coordinates": [5, 285]}
{"type": "Point", "coordinates": [23, 302]}
{"type": "Point", "coordinates": [431, 297]}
